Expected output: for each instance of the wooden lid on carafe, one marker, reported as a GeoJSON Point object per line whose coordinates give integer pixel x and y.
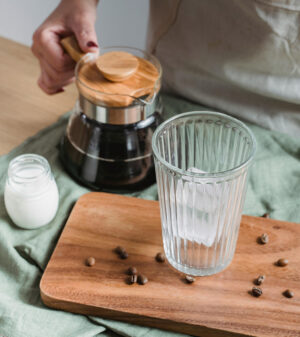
{"type": "Point", "coordinates": [92, 84]}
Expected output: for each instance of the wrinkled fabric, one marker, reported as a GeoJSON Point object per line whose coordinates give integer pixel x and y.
{"type": "Point", "coordinates": [273, 187]}
{"type": "Point", "coordinates": [238, 56]}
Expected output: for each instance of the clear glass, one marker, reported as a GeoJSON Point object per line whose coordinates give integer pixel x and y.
{"type": "Point", "coordinates": [201, 162]}
{"type": "Point", "coordinates": [31, 195]}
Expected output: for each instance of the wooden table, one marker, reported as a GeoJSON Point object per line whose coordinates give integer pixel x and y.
{"type": "Point", "coordinates": [24, 108]}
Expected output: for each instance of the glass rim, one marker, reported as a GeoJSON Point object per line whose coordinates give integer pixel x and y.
{"type": "Point", "coordinates": [29, 158]}
{"type": "Point", "coordinates": [180, 171]}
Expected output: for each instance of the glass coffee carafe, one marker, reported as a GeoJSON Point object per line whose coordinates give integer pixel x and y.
{"type": "Point", "coordinates": [107, 143]}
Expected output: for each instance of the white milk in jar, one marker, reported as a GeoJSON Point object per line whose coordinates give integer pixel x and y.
{"type": "Point", "coordinates": [31, 195]}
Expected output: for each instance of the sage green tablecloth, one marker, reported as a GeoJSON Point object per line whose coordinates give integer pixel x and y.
{"type": "Point", "coordinates": [273, 187]}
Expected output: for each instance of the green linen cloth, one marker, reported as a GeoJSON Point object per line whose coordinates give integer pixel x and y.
{"type": "Point", "coordinates": [273, 187]}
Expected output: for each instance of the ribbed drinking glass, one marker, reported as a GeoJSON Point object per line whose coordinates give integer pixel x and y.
{"type": "Point", "coordinates": [201, 161]}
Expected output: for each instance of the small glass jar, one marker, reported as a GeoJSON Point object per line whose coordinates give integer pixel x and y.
{"type": "Point", "coordinates": [31, 195]}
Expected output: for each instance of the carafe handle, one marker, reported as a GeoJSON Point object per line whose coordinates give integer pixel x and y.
{"type": "Point", "coordinates": [71, 46]}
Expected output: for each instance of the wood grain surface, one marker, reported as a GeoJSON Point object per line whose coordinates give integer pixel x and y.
{"type": "Point", "coordinates": [117, 66]}
{"type": "Point", "coordinates": [24, 108]}
{"type": "Point", "coordinates": [218, 305]}
{"type": "Point", "coordinates": [99, 90]}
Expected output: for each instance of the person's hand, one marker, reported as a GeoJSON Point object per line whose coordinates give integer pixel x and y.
{"type": "Point", "coordinates": [70, 17]}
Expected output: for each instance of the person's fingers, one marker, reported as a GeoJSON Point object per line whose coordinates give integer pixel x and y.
{"type": "Point", "coordinates": [58, 78]}
{"type": "Point", "coordinates": [57, 67]}
{"type": "Point", "coordinates": [43, 84]}
{"type": "Point", "coordinates": [47, 45]}
{"type": "Point", "coordinates": [83, 27]}
{"type": "Point", "coordinates": [49, 85]}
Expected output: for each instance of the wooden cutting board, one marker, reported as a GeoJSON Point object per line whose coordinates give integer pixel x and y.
{"type": "Point", "coordinates": [218, 305]}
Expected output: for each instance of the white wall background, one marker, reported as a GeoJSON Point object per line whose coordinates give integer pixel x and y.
{"type": "Point", "coordinates": [119, 22]}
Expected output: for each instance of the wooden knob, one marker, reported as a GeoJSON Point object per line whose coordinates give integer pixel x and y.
{"type": "Point", "coordinates": [117, 66]}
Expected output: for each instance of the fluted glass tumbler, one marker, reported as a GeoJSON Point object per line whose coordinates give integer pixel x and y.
{"type": "Point", "coordinates": [201, 161]}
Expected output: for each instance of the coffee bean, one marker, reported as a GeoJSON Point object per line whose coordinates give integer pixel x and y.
{"type": "Point", "coordinates": [119, 250]}
{"type": "Point", "coordinates": [260, 280]}
{"type": "Point", "coordinates": [124, 255]}
{"type": "Point", "coordinates": [282, 262]}
{"type": "Point", "coordinates": [264, 238]}
{"type": "Point", "coordinates": [288, 293]}
{"type": "Point", "coordinates": [90, 261]}
{"type": "Point", "coordinates": [160, 257]}
{"type": "Point", "coordinates": [132, 279]}
{"type": "Point", "coordinates": [256, 292]}
{"type": "Point", "coordinates": [266, 215]}
{"type": "Point", "coordinates": [142, 279]}
{"type": "Point", "coordinates": [132, 271]}
{"type": "Point", "coordinates": [189, 279]}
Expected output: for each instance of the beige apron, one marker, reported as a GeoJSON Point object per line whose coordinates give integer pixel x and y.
{"type": "Point", "coordinates": [237, 56]}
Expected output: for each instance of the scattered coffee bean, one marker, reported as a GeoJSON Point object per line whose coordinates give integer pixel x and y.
{"type": "Point", "coordinates": [124, 255]}
{"type": "Point", "coordinates": [266, 215]}
{"type": "Point", "coordinates": [282, 262]}
{"type": "Point", "coordinates": [160, 257]}
{"type": "Point", "coordinates": [132, 271]}
{"type": "Point", "coordinates": [288, 293]}
{"type": "Point", "coordinates": [264, 238]}
{"type": "Point", "coordinates": [260, 280]}
{"type": "Point", "coordinates": [132, 279]}
{"type": "Point", "coordinates": [189, 279]}
{"type": "Point", "coordinates": [256, 292]}
{"type": "Point", "coordinates": [119, 250]}
{"type": "Point", "coordinates": [90, 261]}
{"type": "Point", "coordinates": [142, 279]}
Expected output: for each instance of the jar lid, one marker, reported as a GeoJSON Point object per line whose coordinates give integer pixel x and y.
{"type": "Point", "coordinates": [144, 83]}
